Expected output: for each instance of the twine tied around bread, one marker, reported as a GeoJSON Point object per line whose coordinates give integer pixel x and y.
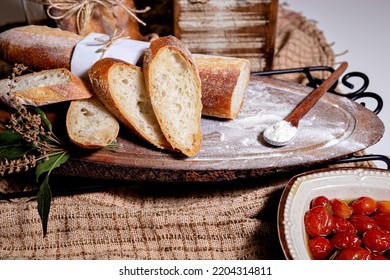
{"type": "Point", "coordinates": [108, 43]}
{"type": "Point", "coordinates": [83, 9]}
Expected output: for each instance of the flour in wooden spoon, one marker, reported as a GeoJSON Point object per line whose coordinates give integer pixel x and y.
{"type": "Point", "coordinates": [281, 132]}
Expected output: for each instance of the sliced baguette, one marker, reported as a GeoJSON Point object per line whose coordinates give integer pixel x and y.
{"type": "Point", "coordinates": [44, 87]}
{"type": "Point", "coordinates": [174, 86]}
{"type": "Point", "coordinates": [121, 87]}
{"type": "Point", "coordinates": [90, 125]}
{"type": "Point", "coordinates": [224, 82]}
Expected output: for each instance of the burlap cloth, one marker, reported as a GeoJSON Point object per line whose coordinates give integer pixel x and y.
{"type": "Point", "coordinates": [229, 220]}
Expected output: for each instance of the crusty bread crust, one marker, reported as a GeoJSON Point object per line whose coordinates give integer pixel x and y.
{"type": "Point", "coordinates": [175, 125]}
{"type": "Point", "coordinates": [126, 104]}
{"type": "Point", "coordinates": [44, 87]}
{"type": "Point", "coordinates": [38, 47]}
{"type": "Point", "coordinates": [90, 125]}
{"type": "Point", "coordinates": [224, 82]}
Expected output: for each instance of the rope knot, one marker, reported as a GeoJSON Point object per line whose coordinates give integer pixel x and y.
{"type": "Point", "coordinates": [110, 41]}
{"type": "Point", "coordinates": [83, 9]}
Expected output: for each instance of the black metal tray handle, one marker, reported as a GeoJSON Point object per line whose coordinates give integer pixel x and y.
{"type": "Point", "coordinates": [315, 82]}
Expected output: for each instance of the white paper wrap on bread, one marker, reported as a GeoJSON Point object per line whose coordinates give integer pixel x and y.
{"type": "Point", "coordinates": [94, 46]}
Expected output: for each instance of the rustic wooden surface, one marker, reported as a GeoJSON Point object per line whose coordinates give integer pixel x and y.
{"type": "Point", "coordinates": [245, 29]}
{"type": "Point", "coordinates": [334, 128]}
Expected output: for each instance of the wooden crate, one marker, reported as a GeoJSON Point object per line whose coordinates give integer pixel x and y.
{"type": "Point", "coordinates": [239, 28]}
{"type": "Point", "coordinates": [34, 12]}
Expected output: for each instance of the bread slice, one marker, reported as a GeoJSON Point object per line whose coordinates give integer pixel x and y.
{"type": "Point", "coordinates": [90, 125]}
{"type": "Point", "coordinates": [44, 87]}
{"type": "Point", "coordinates": [224, 82]}
{"type": "Point", "coordinates": [121, 87]}
{"type": "Point", "coordinates": [174, 86]}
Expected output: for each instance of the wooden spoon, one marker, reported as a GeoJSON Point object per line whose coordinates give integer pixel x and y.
{"type": "Point", "coordinates": [284, 131]}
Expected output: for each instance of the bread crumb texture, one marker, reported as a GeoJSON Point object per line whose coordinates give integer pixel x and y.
{"type": "Point", "coordinates": [37, 80]}
{"type": "Point", "coordinates": [176, 99]}
{"type": "Point", "coordinates": [131, 98]}
{"type": "Point", "coordinates": [90, 124]}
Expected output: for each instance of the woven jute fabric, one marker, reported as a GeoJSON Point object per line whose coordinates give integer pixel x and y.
{"type": "Point", "coordinates": [225, 220]}
{"type": "Point", "coordinates": [299, 43]}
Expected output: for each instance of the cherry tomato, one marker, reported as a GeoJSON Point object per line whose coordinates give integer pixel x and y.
{"type": "Point", "coordinates": [345, 239]}
{"type": "Point", "coordinates": [320, 201]}
{"type": "Point", "coordinates": [318, 221]}
{"type": "Point", "coordinates": [354, 253]}
{"type": "Point", "coordinates": [356, 231]}
{"type": "Point", "coordinates": [382, 220]}
{"type": "Point", "coordinates": [340, 208]}
{"type": "Point", "coordinates": [383, 206]}
{"type": "Point", "coordinates": [320, 247]}
{"type": "Point", "coordinates": [377, 239]}
{"type": "Point", "coordinates": [364, 205]}
{"type": "Point", "coordinates": [362, 222]}
{"type": "Point", "coordinates": [341, 225]}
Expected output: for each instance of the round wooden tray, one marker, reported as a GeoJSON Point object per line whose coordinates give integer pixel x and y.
{"type": "Point", "coordinates": [334, 128]}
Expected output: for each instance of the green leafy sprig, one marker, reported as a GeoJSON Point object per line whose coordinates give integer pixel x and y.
{"type": "Point", "coordinates": [29, 142]}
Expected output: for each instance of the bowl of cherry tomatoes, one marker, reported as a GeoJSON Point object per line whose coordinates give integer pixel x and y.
{"type": "Point", "coordinates": [336, 214]}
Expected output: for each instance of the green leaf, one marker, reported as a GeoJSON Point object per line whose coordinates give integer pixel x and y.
{"type": "Point", "coordinates": [112, 147]}
{"type": "Point", "coordinates": [44, 198]}
{"type": "Point", "coordinates": [48, 165]}
{"type": "Point", "coordinates": [12, 145]}
{"type": "Point", "coordinates": [10, 136]}
{"type": "Point", "coordinates": [44, 118]}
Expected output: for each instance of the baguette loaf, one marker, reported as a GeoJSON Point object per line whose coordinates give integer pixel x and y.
{"type": "Point", "coordinates": [224, 82]}
{"type": "Point", "coordinates": [90, 125]}
{"type": "Point", "coordinates": [38, 47]}
{"type": "Point", "coordinates": [121, 87]}
{"type": "Point", "coordinates": [174, 86]}
{"type": "Point", "coordinates": [44, 87]}
{"type": "Point", "coordinates": [30, 44]}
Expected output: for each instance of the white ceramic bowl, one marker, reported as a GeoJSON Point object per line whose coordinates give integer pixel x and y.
{"type": "Point", "coordinates": [343, 183]}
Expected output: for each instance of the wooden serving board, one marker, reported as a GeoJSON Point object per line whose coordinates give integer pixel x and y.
{"type": "Point", "coordinates": [334, 128]}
